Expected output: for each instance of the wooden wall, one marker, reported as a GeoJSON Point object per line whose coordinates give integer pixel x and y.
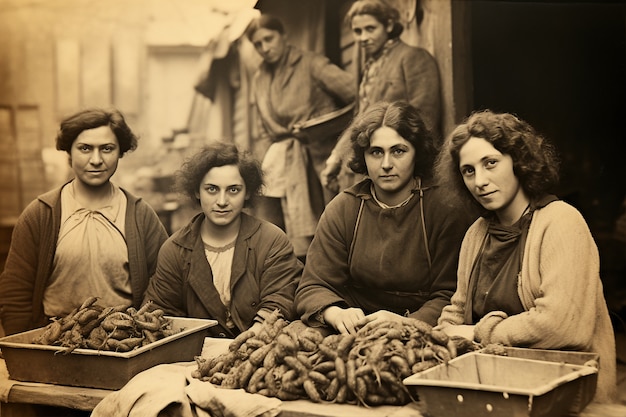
{"type": "Point", "coordinates": [64, 55]}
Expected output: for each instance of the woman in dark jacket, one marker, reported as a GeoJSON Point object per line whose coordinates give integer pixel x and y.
{"type": "Point", "coordinates": [391, 70]}
{"type": "Point", "coordinates": [387, 247]}
{"type": "Point", "coordinates": [225, 264]}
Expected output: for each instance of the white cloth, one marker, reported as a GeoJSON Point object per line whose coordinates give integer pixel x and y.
{"type": "Point", "coordinates": [170, 389]}
{"type": "Point", "coordinates": [221, 402]}
{"type": "Point", "coordinates": [274, 168]}
{"type": "Point", "coordinates": [157, 391]}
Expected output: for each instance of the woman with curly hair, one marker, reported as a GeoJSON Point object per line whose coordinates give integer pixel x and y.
{"type": "Point", "coordinates": [225, 264]}
{"type": "Point", "coordinates": [385, 248]}
{"type": "Point", "coordinates": [528, 268]}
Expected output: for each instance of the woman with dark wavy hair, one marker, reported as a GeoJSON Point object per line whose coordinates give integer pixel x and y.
{"type": "Point", "coordinates": [87, 238]}
{"type": "Point", "coordinates": [385, 248]}
{"type": "Point", "coordinates": [529, 268]}
{"type": "Point", "coordinates": [225, 264]}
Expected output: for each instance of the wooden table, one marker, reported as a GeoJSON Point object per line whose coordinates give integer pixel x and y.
{"type": "Point", "coordinates": [22, 396]}
{"type": "Point", "coordinates": [65, 397]}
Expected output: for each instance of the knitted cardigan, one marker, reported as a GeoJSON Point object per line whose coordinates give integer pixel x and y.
{"type": "Point", "coordinates": [560, 289]}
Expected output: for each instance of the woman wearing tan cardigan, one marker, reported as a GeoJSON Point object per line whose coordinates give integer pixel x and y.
{"type": "Point", "coordinates": [528, 268]}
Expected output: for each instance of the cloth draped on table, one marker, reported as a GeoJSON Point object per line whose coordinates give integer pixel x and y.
{"type": "Point", "coordinates": [170, 390]}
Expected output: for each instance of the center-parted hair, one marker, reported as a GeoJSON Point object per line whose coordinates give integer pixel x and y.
{"type": "Point", "coordinates": [404, 119]}
{"type": "Point", "coordinates": [218, 154]}
{"type": "Point", "coordinates": [379, 10]}
{"type": "Point", "coordinates": [265, 21]}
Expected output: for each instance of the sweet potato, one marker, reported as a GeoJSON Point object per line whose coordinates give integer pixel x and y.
{"type": "Point", "coordinates": [330, 393]}
{"type": "Point", "coordinates": [258, 356]}
{"type": "Point", "coordinates": [319, 378]}
{"type": "Point", "coordinates": [240, 339]}
{"type": "Point", "coordinates": [257, 377]}
{"type": "Point", "coordinates": [439, 337]}
{"type": "Point", "coordinates": [311, 391]}
{"type": "Point", "coordinates": [324, 367]}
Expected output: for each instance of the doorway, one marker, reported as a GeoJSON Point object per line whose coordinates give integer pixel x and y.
{"type": "Point", "coordinates": [561, 66]}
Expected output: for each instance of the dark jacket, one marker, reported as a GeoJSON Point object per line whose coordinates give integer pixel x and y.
{"type": "Point", "coordinates": [411, 74]}
{"type": "Point", "coordinates": [33, 246]}
{"type": "Point", "coordinates": [384, 264]}
{"type": "Point", "coordinates": [264, 276]}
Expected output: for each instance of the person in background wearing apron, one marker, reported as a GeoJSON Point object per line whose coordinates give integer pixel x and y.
{"type": "Point", "coordinates": [290, 87]}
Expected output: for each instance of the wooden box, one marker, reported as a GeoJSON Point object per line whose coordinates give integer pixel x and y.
{"type": "Point", "coordinates": [99, 369]}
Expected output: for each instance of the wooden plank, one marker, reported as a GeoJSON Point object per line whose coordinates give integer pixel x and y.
{"type": "Point", "coordinates": [32, 179]}
{"type": "Point", "coordinates": [66, 397]}
{"type": "Point", "coordinates": [10, 195]}
{"type": "Point", "coordinates": [67, 76]}
{"type": "Point", "coordinates": [12, 64]}
{"type": "Point", "coordinates": [604, 410]}
{"type": "Point", "coordinates": [95, 73]}
{"type": "Point", "coordinates": [126, 74]}
{"type": "Point", "coordinates": [37, 76]}
{"type": "Point", "coordinates": [28, 410]}
{"type": "Point", "coordinates": [87, 399]}
{"type": "Point", "coordinates": [8, 175]}
{"type": "Point", "coordinates": [7, 135]}
{"type": "Point", "coordinates": [28, 131]}
{"type": "Point", "coordinates": [303, 408]}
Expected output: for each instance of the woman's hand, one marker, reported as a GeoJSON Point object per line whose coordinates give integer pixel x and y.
{"type": "Point", "coordinates": [377, 317]}
{"type": "Point", "coordinates": [256, 328]}
{"type": "Point", "coordinates": [463, 330]}
{"type": "Point", "coordinates": [344, 320]}
{"type": "Point", "coordinates": [329, 174]}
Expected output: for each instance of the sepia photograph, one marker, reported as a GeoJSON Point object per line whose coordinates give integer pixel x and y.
{"type": "Point", "coordinates": [312, 208]}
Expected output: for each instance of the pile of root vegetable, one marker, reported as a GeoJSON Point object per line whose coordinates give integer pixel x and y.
{"type": "Point", "coordinates": [119, 329]}
{"type": "Point", "coordinates": [296, 362]}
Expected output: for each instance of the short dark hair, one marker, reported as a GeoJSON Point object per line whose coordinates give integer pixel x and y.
{"type": "Point", "coordinates": [535, 160]}
{"type": "Point", "coordinates": [218, 154]}
{"type": "Point", "coordinates": [381, 11]}
{"type": "Point", "coordinates": [404, 119]}
{"type": "Point", "coordinates": [92, 118]}
{"type": "Point", "coordinates": [265, 21]}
